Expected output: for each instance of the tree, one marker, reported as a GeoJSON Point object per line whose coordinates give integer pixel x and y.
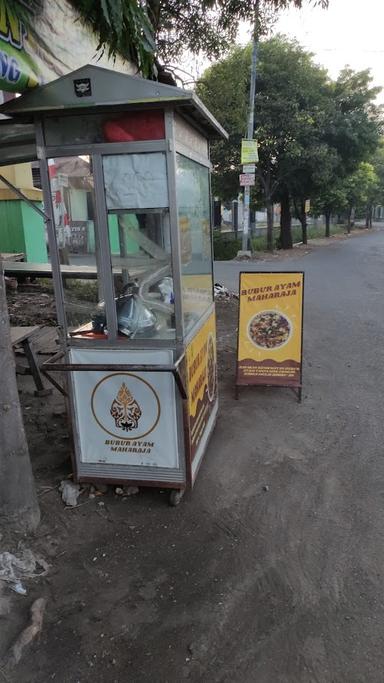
{"type": "Point", "coordinates": [378, 163]}
{"type": "Point", "coordinates": [207, 27]}
{"type": "Point", "coordinates": [224, 89]}
{"type": "Point", "coordinates": [352, 131]}
{"type": "Point", "coordinates": [122, 27]}
{"type": "Point", "coordinates": [291, 97]}
{"type": "Point", "coordinates": [155, 33]}
{"type": "Point", "coordinates": [314, 172]}
{"type": "Point", "coordinates": [18, 502]}
{"type": "Point", "coordinates": [376, 195]}
{"type": "Point", "coordinates": [151, 33]}
{"type": "Point", "coordinates": [360, 188]}
{"type": "Point", "coordinates": [290, 106]}
{"type": "Point", "coordinates": [355, 121]}
{"type": "Point", "coordinates": [329, 200]}
{"type": "Point", "coordinates": [312, 132]}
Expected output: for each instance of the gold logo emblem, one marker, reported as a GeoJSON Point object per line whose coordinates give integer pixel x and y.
{"type": "Point", "coordinates": [133, 413]}
{"type": "Point", "coordinates": [125, 410]}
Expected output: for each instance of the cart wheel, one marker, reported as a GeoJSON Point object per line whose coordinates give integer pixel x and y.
{"type": "Point", "coordinates": [175, 497]}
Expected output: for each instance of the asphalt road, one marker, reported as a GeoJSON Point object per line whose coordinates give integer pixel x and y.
{"type": "Point", "coordinates": [312, 606]}
{"type": "Point", "coordinates": [272, 571]}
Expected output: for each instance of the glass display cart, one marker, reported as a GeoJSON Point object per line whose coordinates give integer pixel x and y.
{"type": "Point", "coordinates": [125, 173]}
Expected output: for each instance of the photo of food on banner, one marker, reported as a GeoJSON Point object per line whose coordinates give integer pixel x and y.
{"type": "Point", "coordinates": [269, 329]}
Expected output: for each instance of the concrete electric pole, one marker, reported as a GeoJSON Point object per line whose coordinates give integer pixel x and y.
{"type": "Point", "coordinates": [251, 121]}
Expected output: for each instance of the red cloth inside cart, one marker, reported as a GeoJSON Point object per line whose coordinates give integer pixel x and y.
{"type": "Point", "coordinates": [134, 126]}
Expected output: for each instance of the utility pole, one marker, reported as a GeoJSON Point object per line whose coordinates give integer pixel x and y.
{"type": "Point", "coordinates": [251, 121]}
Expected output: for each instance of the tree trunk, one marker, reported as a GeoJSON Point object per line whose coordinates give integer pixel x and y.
{"type": "Point", "coordinates": [327, 215]}
{"type": "Point", "coordinates": [270, 245]}
{"type": "Point", "coordinates": [368, 216]}
{"type": "Point", "coordinates": [285, 222]}
{"type": "Point", "coordinates": [19, 507]}
{"type": "Point", "coordinates": [349, 219]}
{"type": "Point", "coordinates": [303, 221]}
{"type": "Point", "coordinates": [301, 215]}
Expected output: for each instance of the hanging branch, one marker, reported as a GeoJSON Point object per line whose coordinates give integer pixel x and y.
{"type": "Point", "coordinates": [148, 32]}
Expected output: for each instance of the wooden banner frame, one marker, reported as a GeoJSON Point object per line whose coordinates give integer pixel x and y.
{"type": "Point", "coordinates": [296, 387]}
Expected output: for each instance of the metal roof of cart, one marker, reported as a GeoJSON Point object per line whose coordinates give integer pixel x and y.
{"type": "Point", "coordinates": [107, 88]}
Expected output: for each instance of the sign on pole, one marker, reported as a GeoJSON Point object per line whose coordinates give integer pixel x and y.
{"type": "Point", "coordinates": [249, 154]}
{"type": "Point", "coordinates": [307, 207]}
{"type": "Point", "coordinates": [270, 330]}
{"type": "Point", "coordinates": [249, 168]}
{"type": "Point", "coordinates": [246, 179]}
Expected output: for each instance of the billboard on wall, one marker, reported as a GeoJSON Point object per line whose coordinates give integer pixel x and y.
{"type": "Point", "coordinates": [57, 43]}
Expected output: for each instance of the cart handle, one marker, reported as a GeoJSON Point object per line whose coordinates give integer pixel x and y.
{"type": "Point", "coordinates": [51, 365]}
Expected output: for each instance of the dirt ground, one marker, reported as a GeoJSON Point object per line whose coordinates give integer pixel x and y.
{"type": "Point", "coordinates": [95, 593]}
{"type": "Point", "coordinates": [272, 569]}
{"type": "Point", "coordinates": [32, 304]}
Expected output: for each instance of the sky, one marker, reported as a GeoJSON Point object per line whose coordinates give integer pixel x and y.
{"type": "Point", "coordinates": [348, 32]}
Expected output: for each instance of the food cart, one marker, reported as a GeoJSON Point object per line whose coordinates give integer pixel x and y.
{"type": "Point", "coordinates": [125, 171]}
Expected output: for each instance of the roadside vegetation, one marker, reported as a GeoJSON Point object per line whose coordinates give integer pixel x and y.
{"type": "Point", "coordinates": [319, 139]}
{"type": "Point", "coordinates": [226, 245]}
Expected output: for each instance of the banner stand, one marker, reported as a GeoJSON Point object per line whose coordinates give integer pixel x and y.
{"type": "Point", "coordinates": [270, 330]}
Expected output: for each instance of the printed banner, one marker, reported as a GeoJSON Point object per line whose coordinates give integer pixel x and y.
{"type": "Point", "coordinates": [57, 43]}
{"type": "Point", "coordinates": [125, 418]}
{"type": "Point", "coordinates": [202, 381]}
{"type": "Point", "coordinates": [269, 349]}
{"type": "Point", "coordinates": [17, 68]}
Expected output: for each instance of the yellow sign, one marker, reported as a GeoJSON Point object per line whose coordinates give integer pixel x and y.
{"type": "Point", "coordinates": [202, 380]}
{"type": "Point", "coordinates": [307, 205]}
{"type": "Point", "coordinates": [269, 348]}
{"type": "Point", "coordinates": [249, 153]}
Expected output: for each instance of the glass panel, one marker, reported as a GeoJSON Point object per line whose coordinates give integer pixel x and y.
{"type": "Point", "coordinates": [139, 236]}
{"type": "Point", "coordinates": [192, 188]}
{"type": "Point", "coordinates": [141, 259]}
{"type": "Point", "coordinates": [72, 190]}
{"type": "Point", "coordinates": [73, 130]}
{"type": "Point", "coordinates": [94, 128]}
{"type": "Point", "coordinates": [135, 181]}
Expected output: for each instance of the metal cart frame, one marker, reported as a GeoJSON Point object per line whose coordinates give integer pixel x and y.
{"type": "Point", "coordinates": [179, 107]}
